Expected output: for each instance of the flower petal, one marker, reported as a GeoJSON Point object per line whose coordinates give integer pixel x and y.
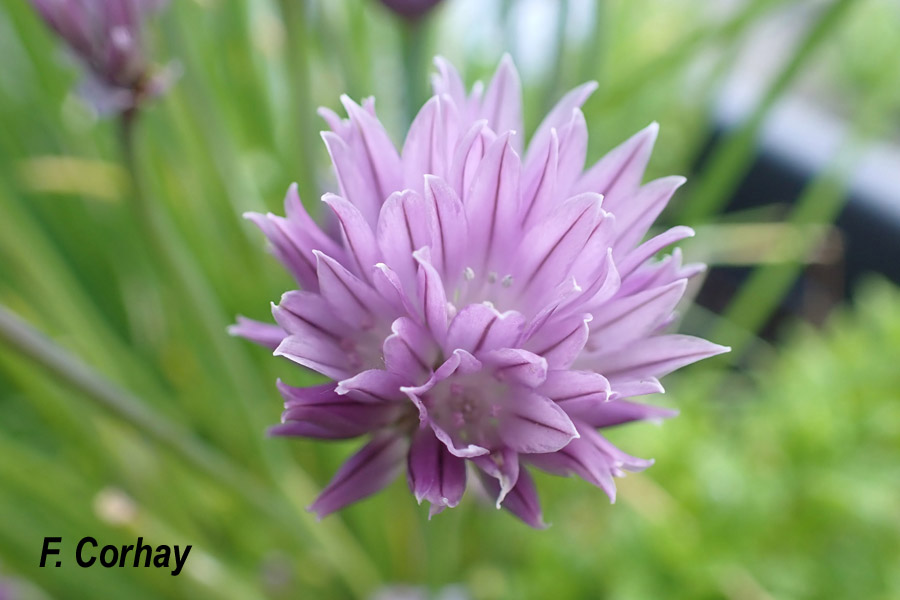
{"type": "Point", "coordinates": [409, 351]}
{"type": "Point", "coordinates": [319, 412]}
{"type": "Point", "coordinates": [531, 423]}
{"type": "Point", "coordinates": [548, 250]}
{"type": "Point", "coordinates": [645, 251]}
{"type": "Point", "coordinates": [562, 344]}
{"type": "Point", "coordinates": [618, 174]}
{"type": "Point", "coordinates": [431, 141]}
{"type": "Point", "coordinates": [434, 474]}
{"type": "Point", "coordinates": [576, 392]}
{"type": "Point", "coordinates": [502, 104]}
{"type": "Point", "coordinates": [264, 334]}
{"type": "Point", "coordinates": [493, 203]}
{"type": "Point", "coordinates": [358, 236]}
{"type": "Point", "coordinates": [635, 218]}
{"type": "Point", "coordinates": [480, 327]}
{"type": "Point", "coordinates": [366, 472]}
{"type": "Point", "coordinates": [517, 366]}
{"type": "Point", "coordinates": [558, 116]}
{"type": "Point", "coordinates": [450, 235]}
{"type": "Point", "coordinates": [355, 302]}
{"type": "Point", "coordinates": [433, 298]}
{"type": "Point", "coordinates": [502, 465]}
{"type": "Point", "coordinates": [372, 386]}
{"type": "Point", "coordinates": [320, 354]}
{"type": "Point", "coordinates": [652, 357]}
{"type": "Point", "coordinates": [521, 501]}
{"type": "Point", "coordinates": [404, 226]}
{"type": "Point", "coordinates": [623, 320]}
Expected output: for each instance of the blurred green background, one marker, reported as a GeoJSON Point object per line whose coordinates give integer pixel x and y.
{"type": "Point", "coordinates": [780, 478]}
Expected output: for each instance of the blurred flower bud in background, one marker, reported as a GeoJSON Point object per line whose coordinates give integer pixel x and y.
{"type": "Point", "coordinates": [411, 9]}
{"type": "Point", "coordinates": [106, 37]}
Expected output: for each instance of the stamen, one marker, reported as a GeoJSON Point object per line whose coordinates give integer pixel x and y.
{"type": "Point", "coordinates": [492, 277]}
{"type": "Point", "coordinates": [507, 281]}
{"type": "Point", "coordinates": [469, 273]}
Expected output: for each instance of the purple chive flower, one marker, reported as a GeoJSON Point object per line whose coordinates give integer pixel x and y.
{"type": "Point", "coordinates": [486, 308]}
{"type": "Point", "coordinates": [106, 37]}
{"type": "Point", "coordinates": [411, 9]}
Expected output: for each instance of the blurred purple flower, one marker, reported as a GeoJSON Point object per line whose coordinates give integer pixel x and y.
{"type": "Point", "coordinates": [411, 9]}
{"type": "Point", "coordinates": [481, 307]}
{"type": "Point", "coordinates": [106, 37]}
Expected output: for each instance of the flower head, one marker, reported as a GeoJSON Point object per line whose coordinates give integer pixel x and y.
{"type": "Point", "coordinates": [486, 308]}
{"type": "Point", "coordinates": [106, 37]}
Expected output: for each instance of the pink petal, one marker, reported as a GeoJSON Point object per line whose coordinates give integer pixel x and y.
{"type": "Point", "coordinates": [264, 334]}
{"type": "Point", "coordinates": [652, 357]}
{"type": "Point", "coordinates": [320, 354]}
{"type": "Point", "coordinates": [451, 233]}
{"type": "Point", "coordinates": [480, 327]}
{"type": "Point", "coordinates": [625, 319]}
{"type": "Point", "coordinates": [531, 423]}
{"type": "Point", "coordinates": [492, 205]}
{"type": "Point", "coordinates": [433, 473]}
{"type": "Point", "coordinates": [521, 501]}
{"type": "Point", "coordinates": [502, 105]}
{"type": "Point", "coordinates": [517, 366]}
{"type": "Point", "coordinates": [358, 235]}
{"type": "Point", "coordinates": [618, 174]}
{"type": "Point", "coordinates": [366, 472]}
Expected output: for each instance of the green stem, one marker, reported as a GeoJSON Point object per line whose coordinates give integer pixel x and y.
{"type": "Point", "coordinates": [414, 47]}
{"type": "Point", "coordinates": [302, 111]}
{"type": "Point", "coordinates": [346, 558]}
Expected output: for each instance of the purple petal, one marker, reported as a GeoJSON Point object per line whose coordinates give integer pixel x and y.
{"type": "Point", "coordinates": [479, 327]}
{"type": "Point", "coordinates": [531, 423]}
{"type": "Point", "coordinates": [468, 156]}
{"type": "Point", "coordinates": [502, 105]}
{"type": "Point", "coordinates": [320, 354]}
{"type": "Point", "coordinates": [366, 472]}
{"type": "Point", "coordinates": [576, 392]}
{"type": "Point", "coordinates": [645, 251]}
{"type": "Point", "coordinates": [319, 412]}
{"type": "Point", "coordinates": [549, 249]}
{"type": "Point", "coordinates": [652, 357]}
{"type": "Point", "coordinates": [358, 235]}
{"type": "Point", "coordinates": [639, 387]}
{"type": "Point", "coordinates": [538, 195]}
{"type": "Point", "coordinates": [618, 174]}
{"type": "Point", "coordinates": [354, 186]}
{"type": "Point", "coordinates": [409, 351]}
{"type": "Point", "coordinates": [431, 293]}
{"type": "Point", "coordinates": [561, 345]}
{"type": "Point", "coordinates": [431, 141]}
{"type": "Point", "coordinates": [556, 119]}
{"type": "Point", "coordinates": [451, 233]}
{"type": "Point", "coordinates": [376, 151]}
{"type": "Point", "coordinates": [264, 334]}
{"type": "Point", "coordinates": [517, 366]}
{"type": "Point", "coordinates": [404, 226]}
{"type": "Point", "coordinates": [502, 465]}
{"type": "Point", "coordinates": [493, 203]}
{"type": "Point", "coordinates": [573, 142]}
{"type": "Point", "coordinates": [354, 301]}
{"type": "Point", "coordinates": [434, 474]}
{"type": "Point", "coordinates": [625, 319]}
{"type": "Point", "coordinates": [306, 313]}
{"type": "Point", "coordinates": [521, 501]}
{"type": "Point", "coordinates": [635, 218]}
{"type": "Point", "coordinates": [372, 386]}
{"type": "Point", "coordinates": [447, 81]}
{"type": "Point", "coordinates": [617, 412]}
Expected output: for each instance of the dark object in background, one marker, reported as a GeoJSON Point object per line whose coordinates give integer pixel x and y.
{"type": "Point", "coordinates": [791, 152]}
